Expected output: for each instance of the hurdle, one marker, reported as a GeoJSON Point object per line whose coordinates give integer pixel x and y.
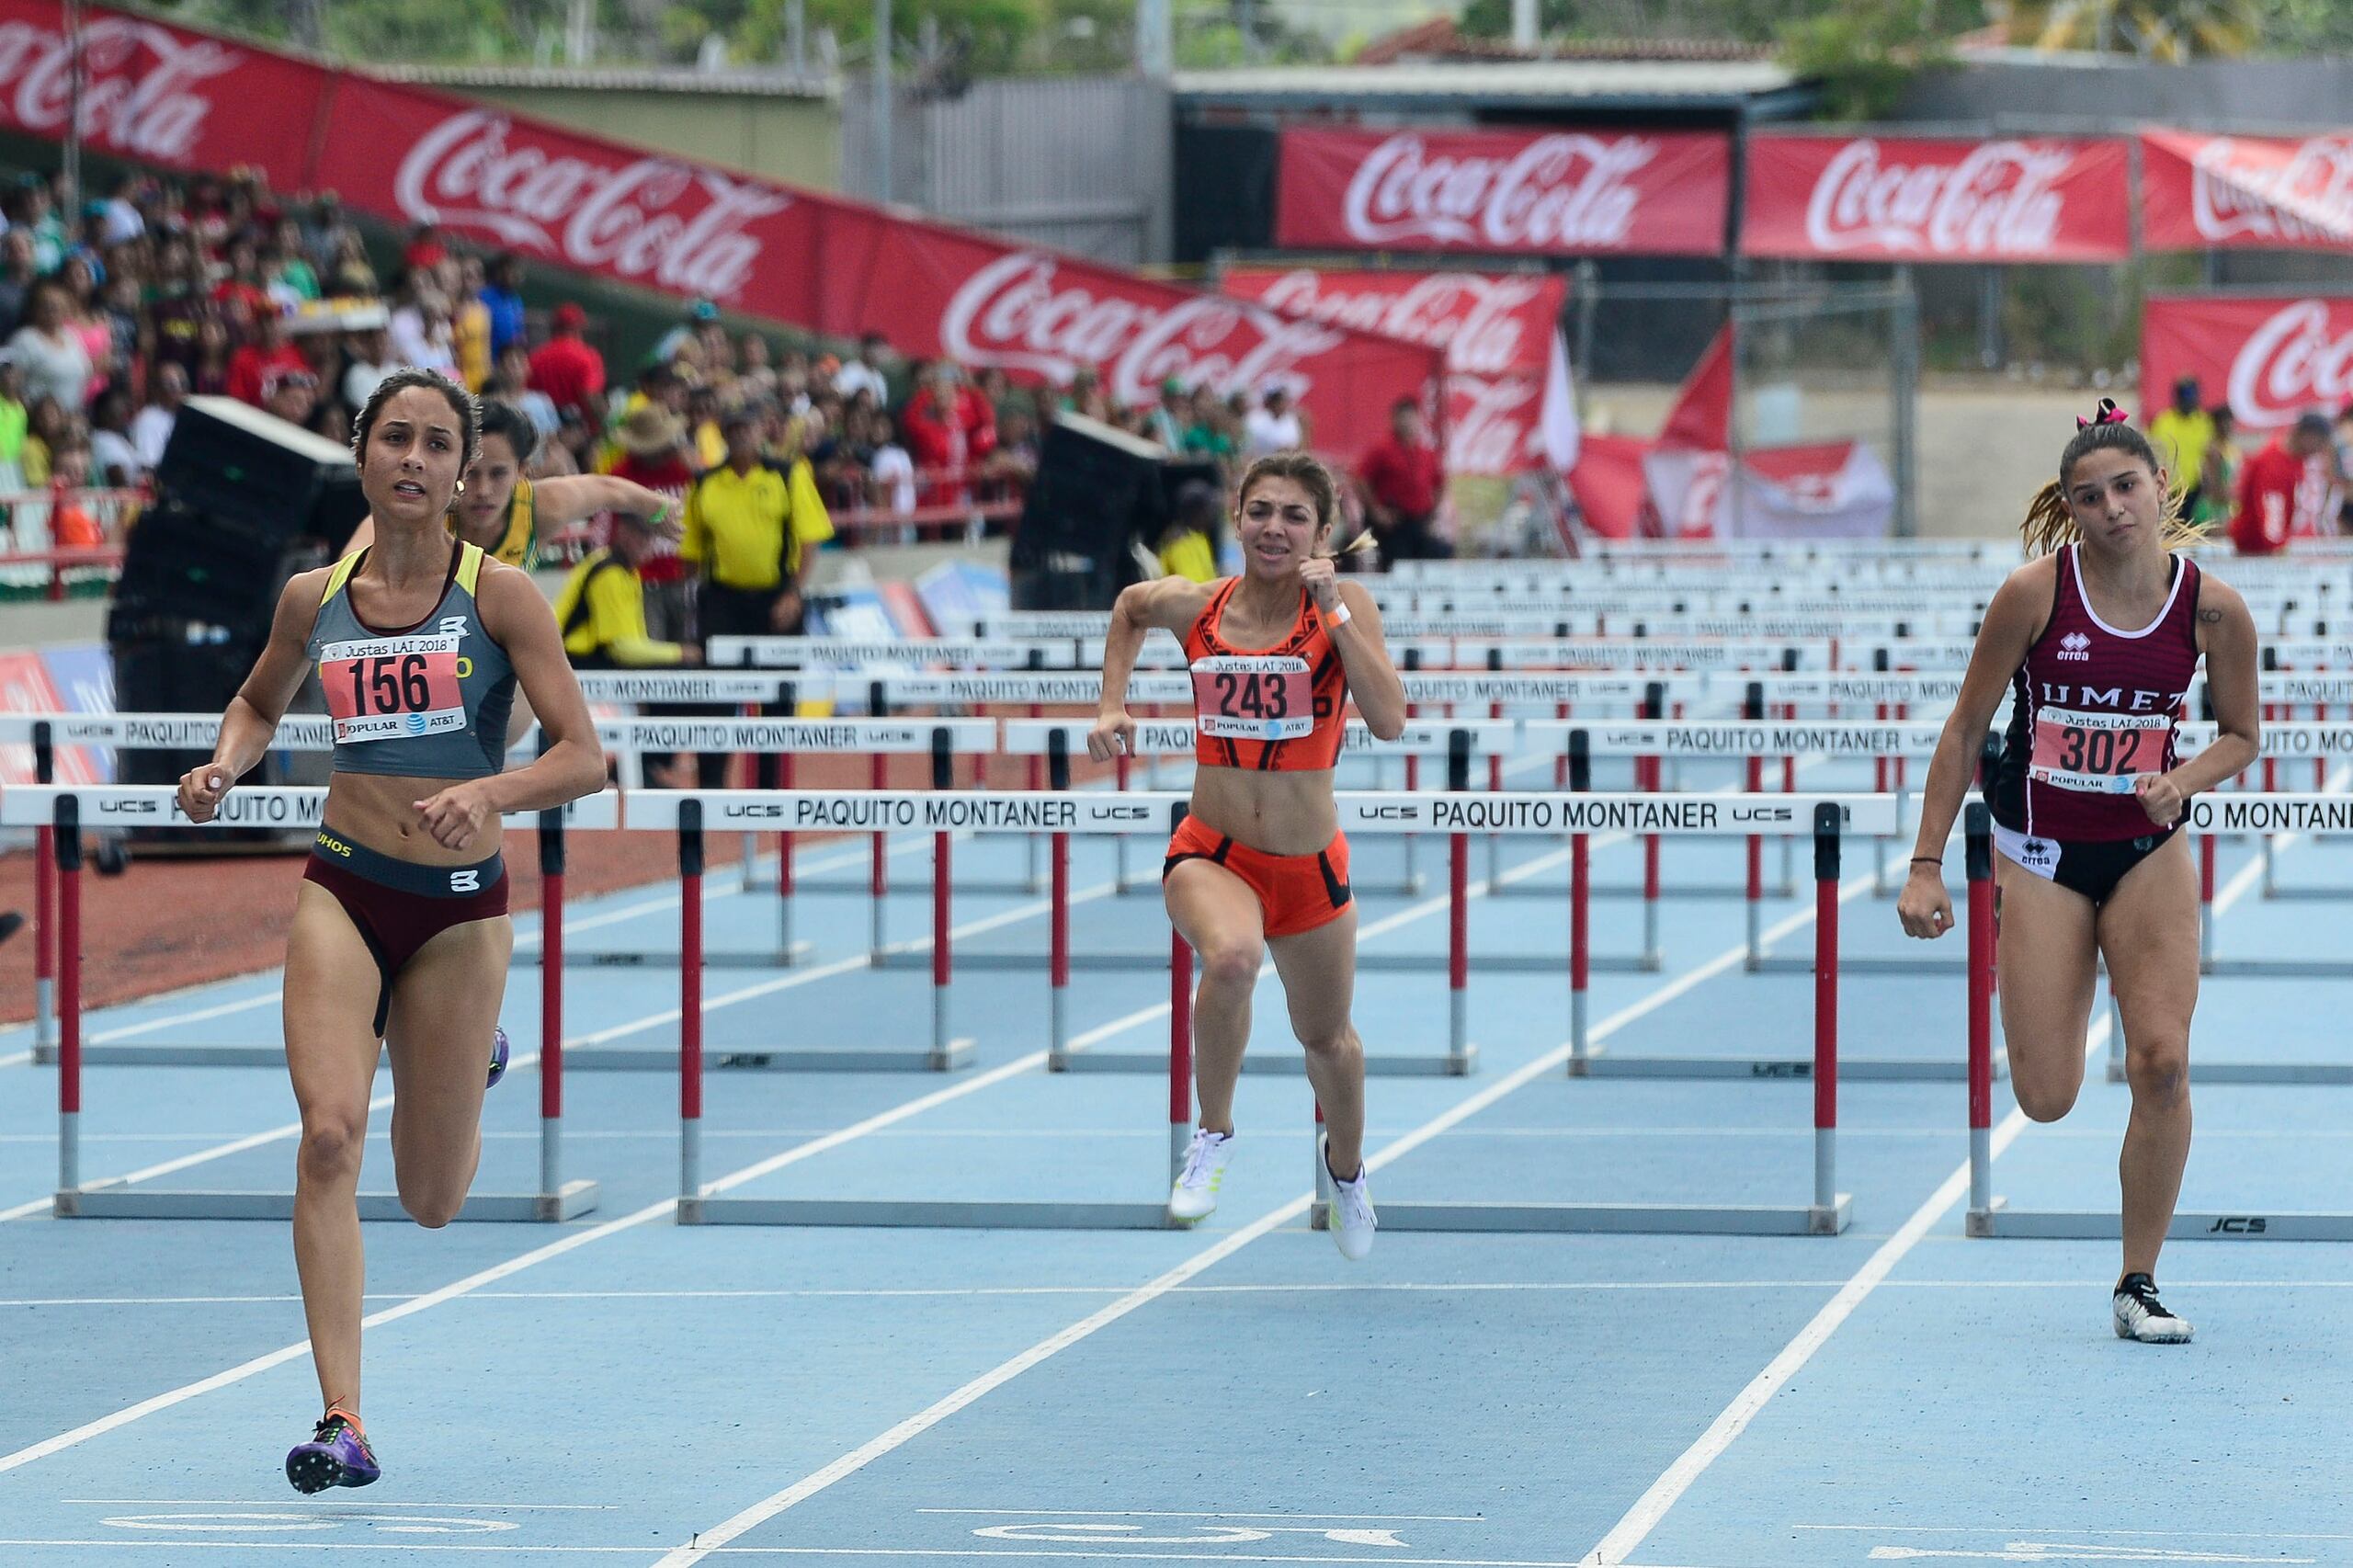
{"type": "Point", "coordinates": [1994, 1217]}
{"type": "Point", "coordinates": [785, 739]}
{"type": "Point", "coordinates": [1831, 1211]}
{"type": "Point", "coordinates": [1587, 1061]}
{"type": "Point", "coordinates": [1457, 814]}
{"type": "Point", "coordinates": [68, 809]}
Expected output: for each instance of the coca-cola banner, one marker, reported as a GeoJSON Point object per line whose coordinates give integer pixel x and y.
{"type": "Point", "coordinates": [2228, 192]}
{"type": "Point", "coordinates": [566, 199]}
{"type": "Point", "coordinates": [1499, 192]}
{"type": "Point", "coordinates": [156, 94]}
{"type": "Point", "coordinates": [1500, 335]}
{"type": "Point", "coordinates": [1905, 198]}
{"type": "Point", "coordinates": [2270, 359]}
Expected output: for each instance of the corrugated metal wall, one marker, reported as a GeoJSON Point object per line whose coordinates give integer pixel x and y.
{"type": "Point", "coordinates": [1077, 163]}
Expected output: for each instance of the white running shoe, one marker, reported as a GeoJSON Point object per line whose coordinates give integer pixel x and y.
{"type": "Point", "coordinates": [1349, 1216]}
{"type": "Point", "coordinates": [2140, 1315]}
{"type": "Point", "coordinates": [1194, 1197]}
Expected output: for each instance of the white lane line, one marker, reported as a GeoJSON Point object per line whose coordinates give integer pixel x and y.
{"type": "Point", "coordinates": [705, 1542]}
{"type": "Point", "coordinates": [1015, 1554]}
{"type": "Point", "coordinates": [331, 1511]}
{"type": "Point", "coordinates": [17, 1060]}
{"type": "Point", "coordinates": [1662, 1494]}
{"type": "Point", "coordinates": [970, 1292]}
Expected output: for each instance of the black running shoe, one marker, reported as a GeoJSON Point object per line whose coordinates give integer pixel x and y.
{"type": "Point", "coordinates": [2140, 1315]}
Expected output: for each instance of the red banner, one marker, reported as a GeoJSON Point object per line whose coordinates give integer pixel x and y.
{"type": "Point", "coordinates": [2245, 192]}
{"type": "Point", "coordinates": [158, 95]}
{"type": "Point", "coordinates": [1488, 325]}
{"type": "Point", "coordinates": [2270, 359]}
{"type": "Point", "coordinates": [410, 155]}
{"type": "Point", "coordinates": [1500, 335]}
{"type": "Point", "coordinates": [1538, 193]}
{"type": "Point", "coordinates": [1915, 200]}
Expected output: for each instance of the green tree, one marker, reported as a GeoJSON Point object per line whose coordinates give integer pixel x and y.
{"type": "Point", "coordinates": [1864, 53]}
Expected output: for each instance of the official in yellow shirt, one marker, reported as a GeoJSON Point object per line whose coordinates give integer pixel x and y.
{"type": "Point", "coordinates": [753, 527]}
{"type": "Point", "coordinates": [601, 609]}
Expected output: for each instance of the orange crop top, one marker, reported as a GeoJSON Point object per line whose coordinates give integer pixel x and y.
{"type": "Point", "coordinates": [1279, 709]}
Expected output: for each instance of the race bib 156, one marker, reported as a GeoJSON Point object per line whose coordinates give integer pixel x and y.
{"type": "Point", "coordinates": [387, 687]}
{"type": "Point", "coordinates": [1253, 697]}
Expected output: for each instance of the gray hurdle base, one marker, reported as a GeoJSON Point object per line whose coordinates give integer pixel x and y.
{"type": "Point", "coordinates": [61, 808]}
{"type": "Point", "coordinates": [1997, 1220]}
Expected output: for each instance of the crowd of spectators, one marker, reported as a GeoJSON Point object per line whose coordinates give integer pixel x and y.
{"type": "Point", "coordinates": [115, 310]}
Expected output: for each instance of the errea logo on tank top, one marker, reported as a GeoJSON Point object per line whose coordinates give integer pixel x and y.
{"type": "Point", "coordinates": [2075, 645]}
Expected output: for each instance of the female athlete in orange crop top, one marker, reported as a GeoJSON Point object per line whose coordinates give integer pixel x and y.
{"type": "Point", "coordinates": [1259, 865]}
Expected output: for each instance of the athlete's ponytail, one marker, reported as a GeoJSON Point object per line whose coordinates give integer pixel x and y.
{"type": "Point", "coordinates": [2050, 525]}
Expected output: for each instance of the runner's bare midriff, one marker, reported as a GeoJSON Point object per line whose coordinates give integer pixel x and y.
{"type": "Point", "coordinates": [1278, 814]}
{"type": "Point", "coordinates": [379, 810]}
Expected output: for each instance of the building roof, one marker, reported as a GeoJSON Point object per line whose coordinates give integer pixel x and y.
{"type": "Point", "coordinates": [642, 79]}
{"type": "Point", "coordinates": [1588, 84]}
{"type": "Point", "coordinates": [1439, 39]}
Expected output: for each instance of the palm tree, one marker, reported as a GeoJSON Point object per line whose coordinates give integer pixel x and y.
{"type": "Point", "coordinates": [2167, 31]}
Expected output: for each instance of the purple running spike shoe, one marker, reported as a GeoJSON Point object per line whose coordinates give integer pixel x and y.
{"type": "Point", "coordinates": [497, 1057]}
{"type": "Point", "coordinates": [336, 1455]}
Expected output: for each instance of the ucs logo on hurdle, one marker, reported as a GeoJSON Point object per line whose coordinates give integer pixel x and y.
{"type": "Point", "coordinates": [2238, 1225]}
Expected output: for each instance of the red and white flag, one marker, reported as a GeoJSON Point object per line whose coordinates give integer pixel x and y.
{"type": "Point", "coordinates": [2235, 192]}
{"type": "Point", "coordinates": [1510, 406]}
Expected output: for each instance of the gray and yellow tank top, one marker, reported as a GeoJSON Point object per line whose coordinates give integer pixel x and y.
{"type": "Point", "coordinates": [426, 701]}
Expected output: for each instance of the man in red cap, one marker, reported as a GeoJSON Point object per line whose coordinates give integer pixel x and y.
{"type": "Point", "coordinates": [567, 369]}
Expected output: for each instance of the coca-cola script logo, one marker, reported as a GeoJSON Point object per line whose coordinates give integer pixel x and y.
{"type": "Point", "coordinates": [636, 220]}
{"type": "Point", "coordinates": [2240, 187]}
{"type": "Point", "coordinates": [1492, 424]}
{"type": "Point", "coordinates": [1559, 192]}
{"type": "Point", "coordinates": [1017, 312]}
{"type": "Point", "coordinates": [1477, 320]}
{"type": "Point", "coordinates": [147, 113]}
{"type": "Point", "coordinates": [2292, 363]}
{"type": "Point", "coordinates": [1998, 200]}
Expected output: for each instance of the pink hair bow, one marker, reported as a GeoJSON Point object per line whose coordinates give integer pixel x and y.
{"type": "Point", "coordinates": [2109, 414]}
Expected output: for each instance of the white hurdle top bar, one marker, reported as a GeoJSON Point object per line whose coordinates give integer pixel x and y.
{"type": "Point", "coordinates": [1092, 812]}
{"type": "Point", "coordinates": [158, 805]}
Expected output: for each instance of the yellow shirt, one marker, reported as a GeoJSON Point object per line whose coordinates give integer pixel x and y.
{"type": "Point", "coordinates": [2181, 441]}
{"type": "Point", "coordinates": [1188, 555]}
{"type": "Point", "coordinates": [748, 530]}
{"type": "Point", "coordinates": [602, 611]}
{"type": "Point", "coordinates": [469, 340]}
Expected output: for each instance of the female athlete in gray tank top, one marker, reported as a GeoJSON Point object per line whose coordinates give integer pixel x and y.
{"type": "Point", "coordinates": [400, 930]}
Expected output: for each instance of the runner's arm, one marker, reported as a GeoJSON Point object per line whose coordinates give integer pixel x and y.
{"type": "Point", "coordinates": [2015, 619]}
{"type": "Point", "coordinates": [2227, 633]}
{"type": "Point", "coordinates": [1168, 603]}
{"type": "Point", "coordinates": [253, 714]}
{"type": "Point", "coordinates": [1372, 679]}
{"type": "Point", "coordinates": [565, 500]}
{"type": "Point", "coordinates": [570, 763]}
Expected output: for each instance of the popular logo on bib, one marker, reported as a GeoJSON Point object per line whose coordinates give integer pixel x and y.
{"type": "Point", "coordinates": [1253, 697]}
{"type": "Point", "coordinates": [390, 687]}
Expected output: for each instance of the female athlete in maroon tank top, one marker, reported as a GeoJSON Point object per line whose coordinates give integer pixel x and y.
{"type": "Point", "coordinates": [1259, 867]}
{"type": "Point", "coordinates": [2097, 638]}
